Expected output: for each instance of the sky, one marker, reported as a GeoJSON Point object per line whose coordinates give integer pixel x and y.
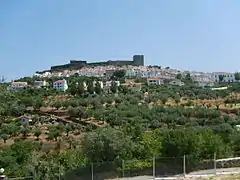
{"type": "Point", "coordinates": [201, 35]}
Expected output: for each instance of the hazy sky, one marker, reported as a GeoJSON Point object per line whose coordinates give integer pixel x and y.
{"type": "Point", "coordinates": [201, 35]}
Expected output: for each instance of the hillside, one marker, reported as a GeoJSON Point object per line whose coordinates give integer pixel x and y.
{"type": "Point", "coordinates": [70, 132]}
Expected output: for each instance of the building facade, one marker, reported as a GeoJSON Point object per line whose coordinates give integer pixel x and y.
{"type": "Point", "coordinates": [224, 77]}
{"type": "Point", "coordinates": [17, 85]}
{"type": "Point", "coordinates": [177, 83]}
{"type": "Point", "coordinates": [60, 85]}
{"type": "Point", "coordinates": [39, 84]}
{"type": "Point", "coordinates": [155, 81]}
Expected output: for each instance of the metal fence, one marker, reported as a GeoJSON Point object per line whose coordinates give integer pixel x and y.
{"type": "Point", "coordinates": [156, 167]}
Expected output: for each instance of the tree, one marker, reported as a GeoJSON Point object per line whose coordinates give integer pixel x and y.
{"type": "Point", "coordinates": [98, 88]}
{"type": "Point", "coordinates": [164, 98]}
{"type": "Point", "coordinates": [15, 109]}
{"type": "Point", "coordinates": [25, 131]}
{"type": "Point", "coordinates": [80, 88]}
{"type": "Point", "coordinates": [57, 104]}
{"type": "Point", "coordinates": [235, 141]}
{"type": "Point", "coordinates": [237, 76]}
{"type": "Point", "coordinates": [37, 133]}
{"type": "Point", "coordinates": [114, 87]}
{"type": "Point", "coordinates": [12, 129]}
{"type": "Point", "coordinates": [152, 141]}
{"type": "Point", "coordinates": [75, 112]}
{"type": "Point", "coordinates": [118, 75]}
{"type": "Point", "coordinates": [212, 143]}
{"type": "Point", "coordinates": [177, 100]}
{"type": "Point", "coordinates": [188, 77]}
{"type": "Point", "coordinates": [221, 77]}
{"type": "Point", "coordinates": [180, 142]}
{"type": "Point", "coordinates": [68, 128]}
{"type": "Point", "coordinates": [38, 103]}
{"type": "Point", "coordinates": [54, 134]}
{"type": "Point", "coordinates": [90, 87]}
{"type": "Point", "coordinates": [4, 137]}
{"type": "Point", "coordinates": [16, 158]}
{"type": "Point", "coordinates": [73, 89]}
{"type": "Point", "coordinates": [179, 76]}
{"type": "Point", "coordinates": [107, 144]}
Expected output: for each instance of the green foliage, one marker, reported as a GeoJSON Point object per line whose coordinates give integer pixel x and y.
{"type": "Point", "coordinates": [75, 112]}
{"type": "Point", "coordinates": [54, 133]}
{"type": "Point", "coordinates": [221, 77]}
{"type": "Point", "coordinates": [107, 144]}
{"type": "Point", "coordinates": [98, 88]}
{"type": "Point", "coordinates": [114, 87]}
{"type": "Point", "coordinates": [179, 76]}
{"type": "Point", "coordinates": [16, 158]}
{"type": "Point", "coordinates": [118, 75]}
{"type": "Point", "coordinates": [237, 76]}
{"type": "Point", "coordinates": [37, 133]}
{"type": "Point", "coordinates": [25, 131]}
{"type": "Point", "coordinates": [90, 87]}
{"type": "Point", "coordinates": [4, 137]}
{"type": "Point", "coordinates": [138, 126]}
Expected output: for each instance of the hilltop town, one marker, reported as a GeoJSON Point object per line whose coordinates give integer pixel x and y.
{"type": "Point", "coordinates": [133, 69]}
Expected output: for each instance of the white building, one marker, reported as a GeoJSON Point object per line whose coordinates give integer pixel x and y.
{"type": "Point", "coordinates": [155, 81]}
{"type": "Point", "coordinates": [26, 120]}
{"type": "Point", "coordinates": [109, 83]}
{"type": "Point", "coordinates": [205, 84]}
{"type": "Point", "coordinates": [17, 85]}
{"type": "Point", "coordinates": [177, 83]}
{"type": "Point", "coordinates": [46, 74]}
{"type": "Point", "coordinates": [60, 85]}
{"type": "Point", "coordinates": [100, 83]}
{"type": "Point", "coordinates": [133, 73]}
{"type": "Point", "coordinates": [202, 79]}
{"type": "Point", "coordinates": [226, 77]}
{"type": "Point", "coordinates": [39, 84]}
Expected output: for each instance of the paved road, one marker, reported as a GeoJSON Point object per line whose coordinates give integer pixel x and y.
{"type": "Point", "coordinates": [202, 173]}
{"type": "Point", "coordinates": [136, 178]}
{"type": "Point", "coordinates": [219, 171]}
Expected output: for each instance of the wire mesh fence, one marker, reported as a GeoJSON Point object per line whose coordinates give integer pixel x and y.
{"type": "Point", "coordinates": [132, 168]}
{"type": "Point", "coordinates": [156, 167]}
{"type": "Point", "coordinates": [199, 166]}
{"type": "Point", "coordinates": [107, 170]}
{"type": "Point", "coordinates": [79, 173]}
{"type": "Point", "coordinates": [168, 166]}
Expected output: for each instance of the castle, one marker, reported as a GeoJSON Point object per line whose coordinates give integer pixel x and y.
{"type": "Point", "coordinates": [137, 60]}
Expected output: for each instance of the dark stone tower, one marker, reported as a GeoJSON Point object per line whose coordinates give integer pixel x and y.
{"type": "Point", "coordinates": [138, 60]}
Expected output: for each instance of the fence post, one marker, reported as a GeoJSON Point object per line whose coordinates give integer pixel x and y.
{"type": "Point", "coordinates": [215, 164]}
{"type": "Point", "coordinates": [92, 170]}
{"type": "Point", "coordinates": [154, 170]}
{"type": "Point", "coordinates": [123, 167]}
{"type": "Point", "coordinates": [184, 165]}
{"type": "Point", "coordinates": [59, 171]}
{"type": "Point", "coordinates": [34, 173]}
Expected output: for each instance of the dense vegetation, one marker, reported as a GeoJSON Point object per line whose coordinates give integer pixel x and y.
{"type": "Point", "coordinates": [158, 121]}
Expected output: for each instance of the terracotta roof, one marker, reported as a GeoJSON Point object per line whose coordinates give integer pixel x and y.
{"type": "Point", "coordinates": [60, 81]}
{"type": "Point", "coordinates": [223, 73]}
{"type": "Point", "coordinates": [131, 84]}
{"type": "Point", "coordinates": [25, 83]}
